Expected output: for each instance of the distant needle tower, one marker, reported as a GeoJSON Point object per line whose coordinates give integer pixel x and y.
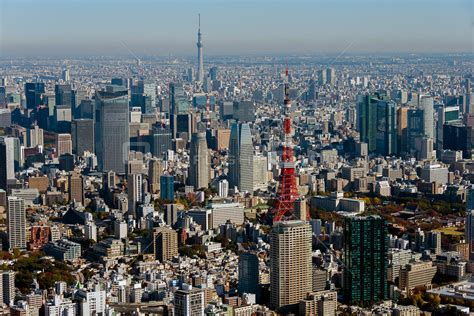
{"type": "Point", "coordinates": [200, 74]}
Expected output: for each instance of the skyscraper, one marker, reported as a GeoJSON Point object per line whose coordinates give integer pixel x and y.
{"type": "Point", "coordinates": [33, 137]}
{"type": "Point", "coordinates": [199, 161]}
{"type": "Point", "coordinates": [63, 144]}
{"type": "Point", "coordinates": [322, 77]}
{"type": "Point", "coordinates": [161, 140]}
{"type": "Point", "coordinates": [365, 260]}
{"type": "Point", "coordinates": [415, 127]}
{"type": "Point", "coordinates": [135, 192]}
{"type": "Point", "coordinates": [7, 279]}
{"type": "Point", "coordinates": [167, 187]}
{"type": "Point", "coordinates": [290, 263]}
{"type": "Point", "coordinates": [469, 226]}
{"type": "Point", "coordinates": [200, 74]}
{"type": "Point", "coordinates": [65, 95]}
{"type": "Point", "coordinates": [426, 104]}
{"type": "Point", "coordinates": [82, 133]}
{"type": "Point", "coordinates": [112, 131]}
{"type": "Point", "coordinates": [76, 188]}
{"type": "Point", "coordinates": [331, 76]}
{"type": "Point", "coordinates": [7, 160]}
{"type": "Point", "coordinates": [155, 170]}
{"type": "Point", "coordinates": [241, 157]}
{"type": "Point", "coordinates": [386, 135]}
{"type": "Point", "coordinates": [34, 92]}
{"type": "Point", "coordinates": [367, 108]}
{"type": "Point", "coordinates": [143, 95]}
{"type": "Point", "coordinates": [249, 274]}
{"type": "Point", "coordinates": [16, 218]}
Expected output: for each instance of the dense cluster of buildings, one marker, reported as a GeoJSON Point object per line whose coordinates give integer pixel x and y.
{"type": "Point", "coordinates": [157, 186]}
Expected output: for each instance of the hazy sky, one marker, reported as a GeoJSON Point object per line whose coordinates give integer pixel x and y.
{"type": "Point", "coordinates": [76, 27]}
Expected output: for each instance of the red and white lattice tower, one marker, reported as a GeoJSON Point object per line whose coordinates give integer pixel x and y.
{"type": "Point", "coordinates": [287, 191]}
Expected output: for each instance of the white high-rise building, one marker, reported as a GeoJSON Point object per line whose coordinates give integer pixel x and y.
{"type": "Point", "coordinates": [16, 218]}
{"type": "Point", "coordinates": [135, 191]}
{"type": "Point", "coordinates": [223, 188]}
{"type": "Point", "coordinates": [120, 229]}
{"type": "Point", "coordinates": [426, 104]}
{"type": "Point", "coordinates": [91, 302]}
{"type": "Point", "coordinates": [90, 231]}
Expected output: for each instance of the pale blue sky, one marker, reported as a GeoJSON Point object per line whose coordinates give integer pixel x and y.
{"type": "Point", "coordinates": [76, 27]}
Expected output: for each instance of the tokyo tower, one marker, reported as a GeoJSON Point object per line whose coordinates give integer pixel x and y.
{"type": "Point", "coordinates": [287, 192]}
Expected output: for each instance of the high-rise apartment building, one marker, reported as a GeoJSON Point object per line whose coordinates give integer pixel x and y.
{"type": "Point", "coordinates": [321, 303]}
{"type": "Point", "coordinates": [112, 133]}
{"type": "Point", "coordinates": [16, 218]}
{"type": "Point", "coordinates": [241, 157]}
{"type": "Point", "coordinates": [365, 260]}
{"type": "Point", "coordinates": [199, 161]}
{"type": "Point", "coordinates": [290, 263]}
{"type": "Point", "coordinates": [165, 243]}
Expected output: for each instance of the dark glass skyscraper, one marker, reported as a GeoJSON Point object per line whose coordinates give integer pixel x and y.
{"type": "Point", "coordinates": [34, 94]}
{"type": "Point", "coordinates": [112, 132]}
{"type": "Point", "coordinates": [167, 187]}
{"type": "Point", "coordinates": [367, 120]}
{"type": "Point", "coordinates": [82, 132]}
{"type": "Point", "coordinates": [386, 137]}
{"type": "Point", "coordinates": [249, 274]}
{"type": "Point", "coordinates": [65, 95]}
{"type": "Point", "coordinates": [143, 95]}
{"type": "Point", "coordinates": [161, 140]}
{"type": "Point", "coordinates": [377, 123]}
{"type": "Point", "coordinates": [365, 260]}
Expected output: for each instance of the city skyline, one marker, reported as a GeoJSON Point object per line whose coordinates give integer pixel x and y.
{"type": "Point", "coordinates": [236, 27]}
